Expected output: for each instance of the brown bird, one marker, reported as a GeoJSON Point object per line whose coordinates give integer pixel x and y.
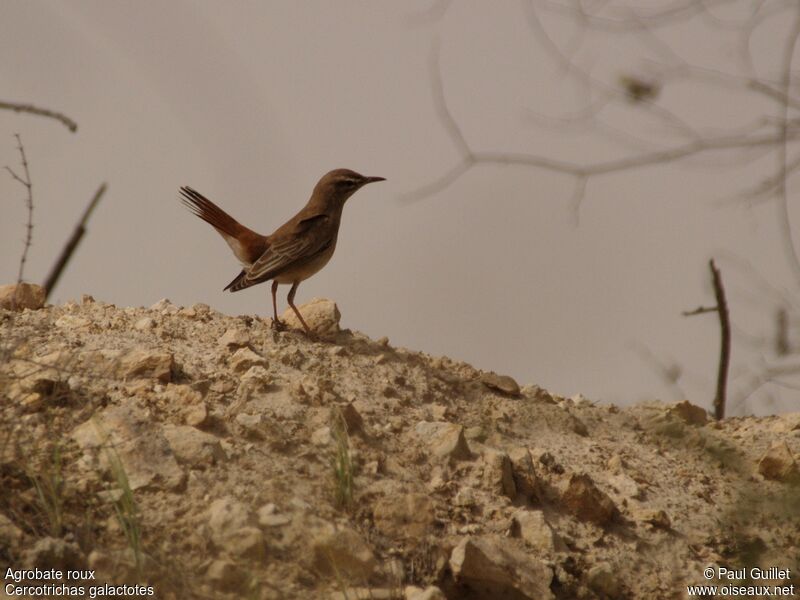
{"type": "Point", "coordinates": [297, 249]}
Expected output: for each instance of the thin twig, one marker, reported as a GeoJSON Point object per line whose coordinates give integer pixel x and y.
{"type": "Point", "coordinates": [42, 112]}
{"type": "Point", "coordinates": [72, 243]}
{"type": "Point", "coordinates": [25, 181]}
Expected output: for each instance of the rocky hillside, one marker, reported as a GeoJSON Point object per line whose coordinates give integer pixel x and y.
{"type": "Point", "coordinates": [207, 456]}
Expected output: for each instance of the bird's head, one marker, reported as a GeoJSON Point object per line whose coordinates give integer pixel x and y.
{"type": "Point", "coordinates": [340, 184]}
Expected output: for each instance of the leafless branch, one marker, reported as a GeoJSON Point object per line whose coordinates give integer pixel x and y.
{"type": "Point", "coordinates": [42, 112]}
{"type": "Point", "coordinates": [783, 201]}
{"type": "Point", "coordinates": [25, 180]}
{"type": "Point", "coordinates": [72, 243]}
{"type": "Point", "coordinates": [725, 333]}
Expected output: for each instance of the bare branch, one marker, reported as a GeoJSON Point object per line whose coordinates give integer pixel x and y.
{"type": "Point", "coordinates": [72, 243]}
{"type": "Point", "coordinates": [26, 182]}
{"type": "Point", "coordinates": [783, 201]}
{"type": "Point", "coordinates": [42, 112]}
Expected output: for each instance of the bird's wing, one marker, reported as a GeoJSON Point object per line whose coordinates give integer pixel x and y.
{"type": "Point", "coordinates": [297, 244]}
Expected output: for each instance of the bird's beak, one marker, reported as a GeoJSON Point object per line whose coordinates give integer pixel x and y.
{"type": "Point", "coordinates": [373, 179]}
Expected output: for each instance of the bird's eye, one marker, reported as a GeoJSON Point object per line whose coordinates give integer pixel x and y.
{"type": "Point", "coordinates": [347, 183]}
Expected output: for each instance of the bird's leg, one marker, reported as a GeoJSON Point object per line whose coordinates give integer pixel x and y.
{"type": "Point", "coordinates": [290, 299]}
{"type": "Point", "coordinates": [277, 324]}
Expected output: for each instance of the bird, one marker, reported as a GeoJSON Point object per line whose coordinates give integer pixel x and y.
{"type": "Point", "coordinates": [294, 251]}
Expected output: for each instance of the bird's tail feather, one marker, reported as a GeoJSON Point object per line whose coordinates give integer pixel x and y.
{"type": "Point", "coordinates": [210, 212]}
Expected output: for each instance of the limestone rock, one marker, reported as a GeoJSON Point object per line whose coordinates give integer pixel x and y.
{"type": "Point", "coordinates": [533, 529]}
{"type": "Point", "coordinates": [192, 446]}
{"type": "Point", "coordinates": [21, 296]}
{"type": "Point", "coordinates": [689, 413]}
{"type": "Point", "coordinates": [231, 527]}
{"type": "Point", "coordinates": [235, 337]}
{"type": "Point", "coordinates": [584, 500]}
{"type": "Point", "coordinates": [500, 383]}
{"type": "Point", "coordinates": [408, 516]}
{"type": "Point", "coordinates": [491, 567]}
{"type": "Point", "coordinates": [341, 550]}
{"type": "Point", "coordinates": [72, 322]}
{"type": "Point", "coordinates": [446, 440]}
{"type": "Point", "coordinates": [125, 434]}
{"type": "Point", "coordinates": [140, 362]}
{"type": "Point", "coordinates": [244, 358]}
{"type": "Point", "coordinates": [144, 324]}
{"type": "Point", "coordinates": [320, 314]}
{"type": "Point", "coordinates": [778, 463]}
{"type": "Point", "coordinates": [431, 592]}
{"type": "Point", "coordinates": [53, 553]}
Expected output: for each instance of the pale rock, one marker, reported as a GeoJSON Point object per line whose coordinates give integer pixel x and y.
{"type": "Point", "coordinates": [144, 324]}
{"type": "Point", "coordinates": [689, 413]}
{"type": "Point", "coordinates": [21, 296]}
{"type": "Point", "coordinates": [235, 337]}
{"type": "Point", "coordinates": [409, 516]}
{"type": "Point", "coordinates": [584, 500]}
{"type": "Point", "coordinates": [53, 553]}
{"type": "Point", "coordinates": [225, 575]}
{"type": "Point", "coordinates": [231, 526]}
{"type": "Point", "coordinates": [72, 322]}
{"type": "Point", "coordinates": [341, 551]}
{"type": "Point", "coordinates": [494, 568]}
{"type": "Point", "coordinates": [195, 414]}
{"type": "Point", "coordinates": [625, 486]}
{"type": "Point", "coordinates": [322, 436]}
{"type": "Point", "coordinates": [778, 463]}
{"type": "Point", "coordinates": [498, 474]}
{"type": "Point", "coordinates": [192, 446]}
{"type": "Point", "coordinates": [150, 364]}
{"type": "Point", "coordinates": [500, 383]}
{"type": "Point", "coordinates": [165, 307]}
{"type": "Point", "coordinates": [446, 440]}
{"type": "Point", "coordinates": [412, 592]}
{"type": "Point", "coordinates": [244, 358]}
{"type": "Point", "coordinates": [267, 517]}
{"type": "Point", "coordinates": [533, 529]}
{"type": "Point", "coordinates": [320, 314]}
{"type": "Point", "coordinates": [277, 402]}
{"type": "Point", "coordinates": [138, 443]}
{"type": "Point", "coordinates": [581, 401]}
{"type": "Point", "coordinates": [525, 478]}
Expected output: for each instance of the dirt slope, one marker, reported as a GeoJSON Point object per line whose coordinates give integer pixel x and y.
{"type": "Point", "coordinates": [210, 457]}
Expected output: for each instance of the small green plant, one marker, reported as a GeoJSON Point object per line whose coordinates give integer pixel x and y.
{"type": "Point", "coordinates": [48, 480]}
{"type": "Point", "coordinates": [125, 507]}
{"type": "Point", "coordinates": [341, 462]}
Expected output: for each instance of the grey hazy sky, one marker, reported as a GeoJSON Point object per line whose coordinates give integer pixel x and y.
{"type": "Point", "coordinates": [251, 102]}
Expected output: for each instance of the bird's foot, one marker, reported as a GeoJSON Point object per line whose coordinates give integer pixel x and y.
{"type": "Point", "coordinates": [278, 325]}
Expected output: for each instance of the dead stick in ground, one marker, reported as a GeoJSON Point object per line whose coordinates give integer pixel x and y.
{"type": "Point", "coordinates": [725, 347]}
{"type": "Point", "coordinates": [70, 246]}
